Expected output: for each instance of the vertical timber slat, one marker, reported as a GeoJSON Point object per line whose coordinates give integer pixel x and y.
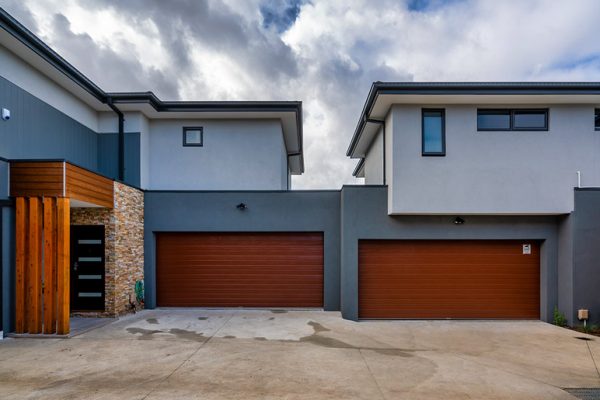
{"type": "Point", "coordinates": [49, 265]}
{"type": "Point", "coordinates": [62, 265]}
{"type": "Point", "coordinates": [21, 263]}
{"type": "Point", "coordinates": [34, 268]}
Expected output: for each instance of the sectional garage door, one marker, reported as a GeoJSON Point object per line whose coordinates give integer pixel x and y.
{"type": "Point", "coordinates": [449, 279]}
{"type": "Point", "coordinates": [239, 269]}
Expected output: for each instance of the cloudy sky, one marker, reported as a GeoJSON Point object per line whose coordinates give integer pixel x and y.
{"type": "Point", "coordinates": [325, 53]}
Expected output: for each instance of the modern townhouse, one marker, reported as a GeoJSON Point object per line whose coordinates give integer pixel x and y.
{"type": "Point", "coordinates": [490, 209]}
{"type": "Point", "coordinates": [478, 201]}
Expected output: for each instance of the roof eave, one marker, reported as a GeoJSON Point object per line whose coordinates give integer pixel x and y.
{"type": "Point", "coordinates": [473, 88]}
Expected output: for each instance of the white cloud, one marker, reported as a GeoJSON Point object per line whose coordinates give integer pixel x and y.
{"type": "Point", "coordinates": [329, 56]}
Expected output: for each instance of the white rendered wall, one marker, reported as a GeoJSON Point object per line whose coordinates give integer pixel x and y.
{"type": "Point", "coordinates": [237, 155]}
{"type": "Point", "coordinates": [515, 172]}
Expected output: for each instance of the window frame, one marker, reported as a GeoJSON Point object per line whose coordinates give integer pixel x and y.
{"type": "Point", "coordinates": [512, 112]}
{"type": "Point", "coordinates": [442, 112]}
{"type": "Point", "coordinates": [193, 128]}
{"type": "Point", "coordinates": [596, 114]}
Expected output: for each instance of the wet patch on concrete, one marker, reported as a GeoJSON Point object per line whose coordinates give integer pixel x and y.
{"type": "Point", "coordinates": [261, 338]}
{"type": "Point", "coordinates": [333, 343]}
{"type": "Point", "coordinates": [318, 327]}
{"type": "Point", "coordinates": [279, 311]}
{"type": "Point", "coordinates": [145, 334]}
{"type": "Point", "coordinates": [188, 335]}
{"type": "Point", "coordinates": [271, 319]}
{"type": "Point", "coordinates": [148, 334]}
{"type": "Point", "coordinates": [202, 318]}
{"type": "Point", "coordinates": [152, 321]}
{"type": "Point", "coordinates": [229, 337]}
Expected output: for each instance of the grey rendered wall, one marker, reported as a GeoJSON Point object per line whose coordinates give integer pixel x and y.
{"type": "Point", "coordinates": [364, 216]}
{"type": "Point", "coordinates": [268, 211]}
{"type": "Point", "coordinates": [236, 155]}
{"type": "Point", "coordinates": [374, 161]}
{"type": "Point", "coordinates": [565, 264]}
{"type": "Point", "coordinates": [108, 156]}
{"type": "Point", "coordinates": [519, 172]}
{"type": "Point", "coordinates": [37, 130]}
{"type": "Point", "coordinates": [586, 255]}
{"type": "Point", "coordinates": [3, 179]}
{"type": "Point", "coordinates": [7, 262]}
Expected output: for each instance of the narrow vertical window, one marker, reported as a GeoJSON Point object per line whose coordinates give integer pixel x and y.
{"type": "Point", "coordinates": [433, 132]}
{"type": "Point", "coordinates": [597, 119]}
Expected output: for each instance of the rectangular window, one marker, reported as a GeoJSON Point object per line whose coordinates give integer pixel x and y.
{"type": "Point", "coordinates": [433, 132]}
{"type": "Point", "coordinates": [193, 136]}
{"type": "Point", "coordinates": [497, 119]}
{"type": "Point", "coordinates": [530, 120]}
{"type": "Point", "coordinates": [493, 120]}
{"type": "Point", "coordinates": [597, 119]}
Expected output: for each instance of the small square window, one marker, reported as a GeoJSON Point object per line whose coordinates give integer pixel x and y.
{"type": "Point", "coordinates": [193, 136]}
{"type": "Point", "coordinates": [597, 119]}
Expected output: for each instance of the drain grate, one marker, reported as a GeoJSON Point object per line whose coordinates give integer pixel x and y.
{"type": "Point", "coordinates": [585, 393]}
{"type": "Point", "coordinates": [587, 339]}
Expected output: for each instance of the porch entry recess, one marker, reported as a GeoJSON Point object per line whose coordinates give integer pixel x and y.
{"type": "Point", "coordinates": [42, 265]}
{"type": "Point", "coordinates": [87, 268]}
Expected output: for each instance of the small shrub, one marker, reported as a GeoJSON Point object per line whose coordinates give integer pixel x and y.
{"type": "Point", "coordinates": [559, 318]}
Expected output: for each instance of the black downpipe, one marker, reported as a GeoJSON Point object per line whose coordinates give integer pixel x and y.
{"type": "Point", "coordinates": [121, 139]}
{"type": "Point", "coordinates": [382, 123]}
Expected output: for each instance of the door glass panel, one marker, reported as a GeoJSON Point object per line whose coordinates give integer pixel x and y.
{"type": "Point", "coordinates": [89, 241]}
{"type": "Point", "coordinates": [89, 294]}
{"type": "Point", "coordinates": [90, 259]}
{"type": "Point", "coordinates": [90, 276]}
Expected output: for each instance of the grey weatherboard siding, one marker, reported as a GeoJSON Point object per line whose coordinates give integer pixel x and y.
{"type": "Point", "coordinates": [108, 156]}
{"type": "Point", "coordinates": [268, 211]}
{"type": "Point", "coordinates": [37, 130]}
{"type": "Point", "coordinates": [364, 216]}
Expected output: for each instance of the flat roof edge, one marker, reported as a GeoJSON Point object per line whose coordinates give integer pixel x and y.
{"type": "Point", "coordinates": [466, 88]}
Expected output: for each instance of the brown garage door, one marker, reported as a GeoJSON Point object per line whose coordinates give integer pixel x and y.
{"type": "Point", "coordinates": [239, 269]}
{"type": "Point", "coordinates": [448, 279]}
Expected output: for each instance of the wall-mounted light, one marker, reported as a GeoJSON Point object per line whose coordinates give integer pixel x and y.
{"type": "Point", "coordinates": [458, 221]}
{"type": "Point", "coordinates": [5, 114]}
{"type": "Point", "coordinates": [241, 206]}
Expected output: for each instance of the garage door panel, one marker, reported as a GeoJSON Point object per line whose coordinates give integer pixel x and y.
{"type": "Point", "coordinates": [240, 269]}
{"type": "Point", "coordinates": [448, 279]}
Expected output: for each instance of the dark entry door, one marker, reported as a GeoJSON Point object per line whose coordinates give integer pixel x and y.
{"type": "Point", "coordinates": [87, 267]}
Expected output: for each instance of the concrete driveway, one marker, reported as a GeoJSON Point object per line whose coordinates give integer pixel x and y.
{"type": "Point", "coordinates": [264, 354]}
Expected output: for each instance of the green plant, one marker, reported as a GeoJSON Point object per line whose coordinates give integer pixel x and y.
{"type": "Point", "coordinates": [559, 318]}
{"type": "Point", "coordinates": [139, 291]}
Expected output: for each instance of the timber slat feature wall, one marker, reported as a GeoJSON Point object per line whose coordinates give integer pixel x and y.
{"type": "Point", "coordinates": [88, 186]}
{"type": "Point", "coordinates": [42, 265]}
{"type": "Point", "coordinates": [59, 179]}
{"type": "Point", "coordinates": [240, 269]}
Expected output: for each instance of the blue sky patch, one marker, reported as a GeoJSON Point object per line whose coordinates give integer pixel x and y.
{"type": "Point", "coordinates": [280, 14]}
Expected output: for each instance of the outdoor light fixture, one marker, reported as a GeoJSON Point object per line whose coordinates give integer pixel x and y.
{"type": "Point", "coordinates": [241, 206]}
{"type": "Point", "coordinates": [458, 221]}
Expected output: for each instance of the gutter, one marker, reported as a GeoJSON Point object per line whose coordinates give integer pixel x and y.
{"type": "Point", "coordinates": [121, 146]}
